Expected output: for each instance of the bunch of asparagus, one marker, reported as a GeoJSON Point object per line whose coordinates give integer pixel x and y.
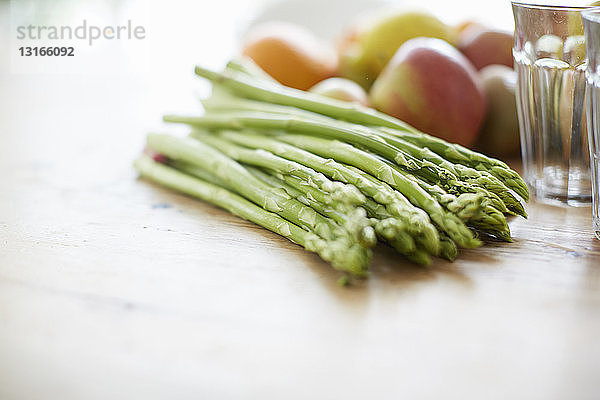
{"type": "Point", "coordinates": [331, 176]}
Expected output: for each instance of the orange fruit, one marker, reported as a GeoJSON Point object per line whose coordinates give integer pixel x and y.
{"type": "Point", "coordinates": [291, 54]}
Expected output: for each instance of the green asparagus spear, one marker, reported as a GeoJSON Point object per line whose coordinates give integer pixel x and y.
{"type": "Point", "coordinates": [314, 198]}
{"type": "Point", "coordinates": [231, 103]}
{"type": "Point", "coordinates": [290, 123]}
{"type": "Point", "coordinates": [475, 210]}
{"type": "Point", "coordinates": [236, 176]}
{"type": "Point", "coordinates": [338, 193]}
{"type": "Point", "coordinates": [388, 229]}
{"type": "Point", "coordinates": [396, 232]}
{"type": "Point", "coordinates": [461, 155]}
{"type": "Point", "coordinates": [353, 134]}
{"type": "Point", "coordinates": [265, 159]}
{"type": "Point", "coordinates": [486, 219]}
{"type": "Point", "coordinates": [245, 85]}
{"type": "Point", "coordinates": [391, 230]}
{"type": "Point", "coordinates": [347, 260]}
{"type": "Point", "coordinates": [397, 205]}
{"type": "Point", "coordinates": [482, 180]}
{"type": "Point", "coordinates": [448, 249]}
{"type": "Point", "coordinates": [483, 217]}
{"type": "Point", "coordinates": [468, 207]}
{"type": "Point", "coordinates": [463, 173]}
{"type": "Point", "coordinates": [199, 173]}
{"type": "Point", "coordinates": [247, 66]}
{"type": "Point", "coordinates": [349, 216]}
{"type": "Point", "coordinates": [322, 202]}
{"type": "Point", "coordinates": [345, 153]}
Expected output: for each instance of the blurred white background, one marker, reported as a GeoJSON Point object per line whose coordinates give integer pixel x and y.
{"type": "Point", "coordinates": [180, 32]}
{"type": "Point", "coordinates": [125, 88]}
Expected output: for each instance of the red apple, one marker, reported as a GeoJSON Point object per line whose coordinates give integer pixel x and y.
{"type": "Point", "coordinates": [433, 87]}
{"type": "Point", "coordinates": [483, 46]}
{"type": "Point", "coordinates": [499, 135]}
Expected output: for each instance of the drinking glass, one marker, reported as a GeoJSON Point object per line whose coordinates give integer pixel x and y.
{"type": "Point", "coordinates": [549, 57]}
{"type": "Point", "coordinates": [591, 22]}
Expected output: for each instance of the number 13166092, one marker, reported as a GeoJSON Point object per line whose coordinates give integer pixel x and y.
{"type": "Point", "coordinates": [46, 51]}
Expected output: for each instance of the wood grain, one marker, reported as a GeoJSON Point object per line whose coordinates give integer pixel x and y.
{"type": "Point", "coordinates": [164, 296]}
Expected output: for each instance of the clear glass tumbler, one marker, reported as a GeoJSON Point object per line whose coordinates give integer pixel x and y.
{"type": "Point", "coordinates": [591, 22]}
{"type": "Point", "coordinates": [549, 56]}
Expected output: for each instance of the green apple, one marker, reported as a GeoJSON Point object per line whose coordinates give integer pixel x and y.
{"type": "Point", "coordinates": [367, 47]}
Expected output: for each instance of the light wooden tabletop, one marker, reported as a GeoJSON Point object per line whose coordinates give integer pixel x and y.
{"type": "Point", "coordinates": [113, 288]}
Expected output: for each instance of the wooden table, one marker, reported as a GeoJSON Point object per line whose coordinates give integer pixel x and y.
{"type": "Point", "coordinates": [113, 288]}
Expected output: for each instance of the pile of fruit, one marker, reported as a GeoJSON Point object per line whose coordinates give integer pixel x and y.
{"type": "Point", "coordinates": [333, 176]}
{"type": "Point", "coordinates": [453, 82]}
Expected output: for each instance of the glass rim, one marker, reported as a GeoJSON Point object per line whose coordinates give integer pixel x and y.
{"type": "Point", "coordinates": [592, 14]}
{"type": "Point", "coordinates": [557, 7]}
